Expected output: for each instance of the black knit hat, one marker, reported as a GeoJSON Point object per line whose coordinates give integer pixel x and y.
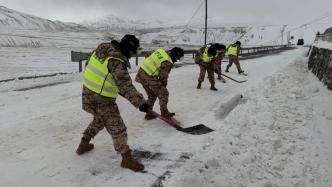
{"type": "Point", "coordinates": [130, 42]}
{"type": "Point", "coordinates": [215, 48]}
{"type": "Point", "coordinates": [177, 52]}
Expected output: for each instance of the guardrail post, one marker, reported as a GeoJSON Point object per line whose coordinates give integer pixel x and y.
{"type": "Point", "coordinates": [80, 66]}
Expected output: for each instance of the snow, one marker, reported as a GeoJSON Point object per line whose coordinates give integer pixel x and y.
{"type": "Point", "coordinates": [278, 135]}
{"type": "Point", "coordinates": [323, 44]}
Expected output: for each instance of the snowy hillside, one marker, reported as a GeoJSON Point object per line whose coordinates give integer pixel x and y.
{"type": "Point", "coordinates": [115, 23]}
{"type": "Point", "coordinates": [11, 19]}
{"type": "Point", "coordinates": [193, 35]}
{"type": "Point", "coordinates": [23, 30]}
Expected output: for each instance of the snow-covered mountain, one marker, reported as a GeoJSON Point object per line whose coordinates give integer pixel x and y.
{"type": "Point", "coordinates": [23, 30]}
{"type": "Point", "coordinates": [11, 19]}
{"type": "Point", "coordinates": [115, 23]}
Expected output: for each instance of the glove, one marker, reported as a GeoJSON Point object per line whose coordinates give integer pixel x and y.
{"type": "Point", "coordinates": [144, 107]}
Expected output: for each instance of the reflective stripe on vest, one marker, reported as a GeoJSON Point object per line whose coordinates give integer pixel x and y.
{"type": "Point", "coordinates": [232, 50]}
{"type": "Point", "coordinates": [151, 65]}
{"type": "Point", "coordinates": [205, 56]}
{"type": "Point", "coordinates": [98, 79]}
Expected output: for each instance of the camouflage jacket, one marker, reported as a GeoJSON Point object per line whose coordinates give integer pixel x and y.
{"type": "Point", "coordinates": [119, 71]}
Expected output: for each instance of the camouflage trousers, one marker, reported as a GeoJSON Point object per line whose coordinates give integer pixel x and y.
{"type": "Point", "coordinates": [154, 90]}
{"type": "Point", "coordinates": [217, 69]}
{"type": "Point", "coordinates": [209, 68]}
{"type": "Point", "coordinates": [235, 60]}
{"type": "Point", "coordinates": [105, 114]}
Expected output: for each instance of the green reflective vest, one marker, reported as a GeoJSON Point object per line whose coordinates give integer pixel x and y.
{"type": "Point", "coordinates": [232, 50]}
{"type": "Point", "coordinates": [205, 56]}
{"type": "Point", "coordinates": [151, 65]}
{"type": "Point", "coordinates": [98, 79]}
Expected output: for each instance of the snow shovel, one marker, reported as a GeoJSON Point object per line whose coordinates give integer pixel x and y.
{"type": "Point", "coordinates": [194, 130]}
{"type": "Point", "coordinates": [233, 79]}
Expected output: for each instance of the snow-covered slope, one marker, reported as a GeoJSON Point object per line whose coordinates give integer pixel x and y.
{"type": "Point", "coordinates": [23, 30]}
{"type": "Point", "coordinates": [115, 23]}
{"type": "Point", "coordinates": [193, 35]}
{"type": "Point", "coordinates": [11, 19]}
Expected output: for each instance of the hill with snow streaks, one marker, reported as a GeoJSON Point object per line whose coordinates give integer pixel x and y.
{"type": "Point", "coordinates": [24, 30]}
{"type": "Point", "coordinates": [11, 19]}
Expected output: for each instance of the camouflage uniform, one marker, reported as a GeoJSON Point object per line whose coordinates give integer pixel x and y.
{"type": "Point", "coordinates": [209, 67]}
{"type": "Point", "coordinates": [155, 86]}
{"type": "Point", "coordinates": [217, 61]}
{"type": "Point", "coordinates": [235, 60]}
{"type": "Point", "coordinates": [104, 109]}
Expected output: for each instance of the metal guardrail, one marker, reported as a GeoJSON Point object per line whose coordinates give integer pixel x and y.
{"type": "Point", "coordinates": [83, 56]}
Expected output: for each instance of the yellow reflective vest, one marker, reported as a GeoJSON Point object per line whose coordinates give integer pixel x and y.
{"type": "Point", "coordinates": [98, 79]}
{"type": "Point", "coordinates": [205, 56]}
{"type": "Point", "coordinates": [232, 50]}
{"type": "Point", "coordinates": [151, 65]}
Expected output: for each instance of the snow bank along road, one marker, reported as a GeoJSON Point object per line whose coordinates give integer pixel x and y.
{"type": "Point", "coordinates": [281, 135]}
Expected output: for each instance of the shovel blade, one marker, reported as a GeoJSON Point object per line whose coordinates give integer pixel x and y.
{"type": "Point", "coordinates": [196, 130]}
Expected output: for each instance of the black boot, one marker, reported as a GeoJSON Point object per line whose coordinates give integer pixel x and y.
{"type": "Point", "coordinates": [227, 69]}
{"type": "Point", "coordinates": [213, 88]}
{"type": "Point", "coordinates": [199, 85]}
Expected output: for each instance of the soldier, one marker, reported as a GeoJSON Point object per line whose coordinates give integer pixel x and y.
{"type": "Point", "coordinates": [105, 77]}
{"type": "Point", "coordinates": [203, 59]}
{"type": "Point", "coordinates": [153, 75]}
{"type": "Point", "coordinates": [217, 65]}
{"type": "Point", "coordinates": [233, 55]}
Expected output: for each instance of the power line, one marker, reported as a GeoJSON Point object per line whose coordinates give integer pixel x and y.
{"type": "Point", "coordinates": [312, 21]}
{"type": "Point", "coordinates": [186, 27]}
{"type": "Point", "coordinates": [303, 25]}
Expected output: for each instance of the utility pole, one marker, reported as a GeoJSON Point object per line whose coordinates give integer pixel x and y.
{"type": "Point", "coordinates": [288, 38]}
{"type": "Point", "coordinates": [205, 21]}
{"type": "Point", "coordinates": [282, 34]}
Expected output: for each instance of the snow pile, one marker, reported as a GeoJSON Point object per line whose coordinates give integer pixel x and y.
{"type": "Point", "coordinates": [323, 44]}
{"type": "Point", "coordinates": [280, 137]}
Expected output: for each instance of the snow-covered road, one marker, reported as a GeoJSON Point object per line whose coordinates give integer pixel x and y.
{"type": "Point", "coordinates": [281, 135]}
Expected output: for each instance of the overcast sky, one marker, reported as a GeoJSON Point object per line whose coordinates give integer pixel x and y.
{"type": "Point", "coordinates": [239, 11]}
